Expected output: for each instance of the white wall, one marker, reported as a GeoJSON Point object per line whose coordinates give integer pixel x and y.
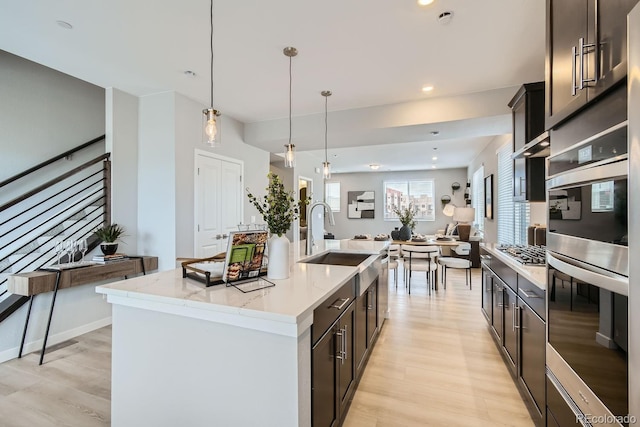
{"type": "Point", "coordinates": [156, 178]}
{"type": "Point", "coordinates": [43, 113]}
{"type": "Point", "coordinates": [347, 228]}
{"type": "Point", "coordinates": [122, 143]}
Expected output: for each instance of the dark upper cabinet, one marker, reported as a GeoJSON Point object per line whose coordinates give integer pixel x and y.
{"type": "Point", "coordinates": [586, 53]}
{"type": "Point", "coordinates": [527, 110]}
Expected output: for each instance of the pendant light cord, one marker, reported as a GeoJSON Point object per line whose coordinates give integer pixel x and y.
{"type": "Point", "coordinates": [290, 86]}
{"type": "Point", "coordinates": [211, 40]}
{"type": "Point", "coordinates": [325, 129]}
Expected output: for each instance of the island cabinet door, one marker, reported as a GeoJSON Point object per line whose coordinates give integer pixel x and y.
{"type": "Point", "coordinates": [347, 364]}
{"type": "Point", "coordinates": [361, 330]}
{"type": "Point", "coordinates": [372, 313]}
{"type": "Point", "coordinates": [324, 399]}
{"type": "Point", "coordinates": [510, 337]}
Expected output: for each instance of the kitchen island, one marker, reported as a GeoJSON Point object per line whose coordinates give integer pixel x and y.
{"type": "Point", "coordinates": [184, 354]}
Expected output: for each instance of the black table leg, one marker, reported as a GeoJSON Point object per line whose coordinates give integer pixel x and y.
{"type": "Point", "coordinates": [53, 302]}
{"type": "Point", "coordinates": [26, 325]}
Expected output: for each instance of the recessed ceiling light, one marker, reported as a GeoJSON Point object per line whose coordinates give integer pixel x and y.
{"type": "Point", "coordinates": [427, 88]}
{"type": "Point", "coordinates": [64, 24]}
{"type": "Point", "coordinates": [425, 2]}
{"type": "Point", "coordinates": [190, 73]}
{"type": "Point", "coordinates": [435, 133]}
{"type": "Point", "coordinates": [374, 166]}
{"type": "Point", "coordinates": [434, 158]}
{"type": "Point", "coordinates": [433, 166]}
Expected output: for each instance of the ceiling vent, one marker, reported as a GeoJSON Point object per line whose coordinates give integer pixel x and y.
{"type": "Point", "coordinates": [445, 17]}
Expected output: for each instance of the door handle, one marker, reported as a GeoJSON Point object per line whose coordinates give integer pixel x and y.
{"type": "Point", "coordinates": [218, 236]}
{"type": "Point", "coordinates": [224, 236]}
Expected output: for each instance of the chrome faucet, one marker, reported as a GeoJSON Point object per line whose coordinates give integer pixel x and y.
{"type": "Point", "coordinates": [327, 208]}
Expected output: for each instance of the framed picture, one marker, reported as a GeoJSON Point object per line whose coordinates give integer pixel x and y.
{"type": "Point", "coordinates": [488, 197]}
{"type": "Point", "coordinates": [361, 204]}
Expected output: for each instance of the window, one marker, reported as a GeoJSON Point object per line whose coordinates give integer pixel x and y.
{"type": "Point", "coordinates": [506, 207]}
{"type": "Point", "coordinates": [332, 195]}
{"type": "Point", "coordinates": [417, 193]}
{"type": "Point", "coordinates": [477, 197]}
{"type": "Point", "coordinates": [513, 218]}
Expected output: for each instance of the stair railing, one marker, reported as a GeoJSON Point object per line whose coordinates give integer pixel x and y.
{"type": "Point", "coordinates": [70, 206]}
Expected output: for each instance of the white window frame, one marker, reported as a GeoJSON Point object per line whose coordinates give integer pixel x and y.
{"type": "Point", "coordinates": [333, 201]}
{"type": "Point", "coordinates": [408, 192]}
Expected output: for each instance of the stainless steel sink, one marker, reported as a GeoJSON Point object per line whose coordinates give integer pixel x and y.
{"type": "Point", "coordinates": [337, 258]}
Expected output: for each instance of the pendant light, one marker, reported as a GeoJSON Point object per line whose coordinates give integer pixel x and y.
{"type": "Point", "coordinates": [290, 149]}
{"type": "Point", "coordinates": [326, 166]}
{"type": "Point", "coordinates": [210, 122]}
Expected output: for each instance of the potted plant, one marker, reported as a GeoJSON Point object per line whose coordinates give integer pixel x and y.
{"type": "Point", "coordinates": [405, 215]}
{"type": "Point", "coordinates": [109, 234]}
{"type": "Point", "coordinates": [278, 209]}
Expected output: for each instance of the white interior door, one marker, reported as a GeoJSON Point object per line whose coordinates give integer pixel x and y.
{"type": "Point", "coordinates": [218, 198]}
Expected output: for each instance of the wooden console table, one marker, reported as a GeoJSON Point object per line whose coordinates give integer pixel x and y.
{"type": "Point", "coordinates": [41, 281]}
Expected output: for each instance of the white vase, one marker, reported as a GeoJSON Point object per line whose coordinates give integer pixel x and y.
{"type": "Point", "coordinates": [278, 266]}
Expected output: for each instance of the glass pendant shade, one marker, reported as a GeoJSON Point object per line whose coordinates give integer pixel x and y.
{"type": "Point", "coordinates": [326, 170]}
{"type": "Point", "coordinates": [289, 156]}
{"type": "Point", "coordinates": [210, 127]}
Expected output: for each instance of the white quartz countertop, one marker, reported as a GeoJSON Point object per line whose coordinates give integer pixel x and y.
{"type": "Point", "coordinates": [535, 274]}
{"type": "Point", "coordinates": [286, 308]}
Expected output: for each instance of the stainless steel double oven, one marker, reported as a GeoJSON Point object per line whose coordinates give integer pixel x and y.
{"type": "Point", "coordinates": [588, 277]}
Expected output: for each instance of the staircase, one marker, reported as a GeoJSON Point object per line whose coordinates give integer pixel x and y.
{"type": "Point", "coordinates": [65, 197]}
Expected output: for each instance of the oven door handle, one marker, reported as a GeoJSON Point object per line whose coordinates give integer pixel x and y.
{"type": "Point", "coordinates": [589, 274]}
{"type": "Point", "coordinates": [609, 169]}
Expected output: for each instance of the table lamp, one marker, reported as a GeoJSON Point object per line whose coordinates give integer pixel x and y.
{"type": "Point", "coordinates": [463, 216]}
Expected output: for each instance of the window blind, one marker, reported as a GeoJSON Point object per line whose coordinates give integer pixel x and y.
{"type": "Point", "coordinates": [506, 208]}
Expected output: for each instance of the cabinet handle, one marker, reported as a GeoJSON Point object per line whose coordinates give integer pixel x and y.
{"type": "Point", "coordinates": [513, 315]}
{"type": "Point", "coordinates": [340, 351]}
{"type": "Point", "coordinates": [370, 300]}
{"type": "Point", "coordinates": [523, 186]}
{"type": "Point", "coordinates": [574, 54]}
{"type": "Point", "coordinates": [581, 47]}
{"type": "Point", "coordinates": [529, 294]}
{"type": "Point", "coordinates": [344, 344]}
{"type": "Point", "coordinates": [339, 307]}
{"type": "Point", "coordinates": [516, 316]}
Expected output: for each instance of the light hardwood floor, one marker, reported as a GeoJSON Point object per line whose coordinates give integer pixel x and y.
{"type": "Point", "coordinates": [434, 365]}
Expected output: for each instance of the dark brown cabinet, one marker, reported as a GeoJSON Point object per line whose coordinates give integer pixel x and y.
{"type": "Point", "coordinates": [517, 323]}
{"type": "Point", "coordinates": [366, 324]}
{"type": "Point", "coordinates": [527, 111]}
{"type": "Point", "coordinates": [586, 53]}
{"type": "Point", "coordinates": [333, 371]}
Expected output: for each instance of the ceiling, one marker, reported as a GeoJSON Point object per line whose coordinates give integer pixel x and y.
{"type": "Point", "coordinates": [367, 52]}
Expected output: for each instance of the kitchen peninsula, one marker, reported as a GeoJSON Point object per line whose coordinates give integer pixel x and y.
{"type": "Point", "coordinates": [191, 355]}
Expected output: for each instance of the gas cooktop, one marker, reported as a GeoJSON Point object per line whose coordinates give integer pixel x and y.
{"type": "Point", "coordinates": [524, 254]}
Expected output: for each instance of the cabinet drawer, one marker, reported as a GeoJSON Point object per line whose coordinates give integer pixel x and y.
{"type": "Point", "coordinates": [506, 273]}
{"type": "Point", "coordinates": [329, 310]}
{"type": "Point", "coordinates": [532, 295]}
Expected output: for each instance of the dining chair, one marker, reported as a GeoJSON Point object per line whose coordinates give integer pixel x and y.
{"type": "Point", "coordinates": [395, 258]}
{"type": "Point", "coordinates": [463, 249]}
{"type": "Point", "coordinates": [421, 258]}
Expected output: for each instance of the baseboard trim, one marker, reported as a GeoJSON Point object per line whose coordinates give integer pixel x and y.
{"type": "Point", "coordinates": [29, 347]}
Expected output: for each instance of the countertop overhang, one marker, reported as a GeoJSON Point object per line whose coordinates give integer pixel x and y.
{"type": "Point", "coordinates": [284, 309]}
